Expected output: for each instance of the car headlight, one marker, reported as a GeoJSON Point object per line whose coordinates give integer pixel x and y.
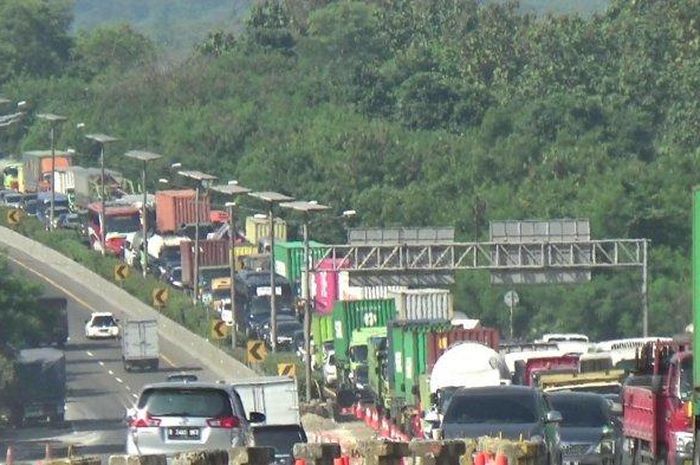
{"type": "Point", "coordinates": [605, 447]}
{"type": "Point", "coordinates": [684, 442]}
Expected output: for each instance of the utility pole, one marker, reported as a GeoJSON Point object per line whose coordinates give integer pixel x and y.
{"type": "Point", "coordinates": [102, 139]}
{"type": "Point", "coordinates": [53, 121]}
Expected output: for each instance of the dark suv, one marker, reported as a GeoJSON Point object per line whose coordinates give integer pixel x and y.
{"type": "Point", "coordinates": [510, 411]}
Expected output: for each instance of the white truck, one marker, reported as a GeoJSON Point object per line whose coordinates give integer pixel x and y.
{"type": "Point", "coordinates": [140, 344]}
{"type": "Point", "coordinates": [277, 397]}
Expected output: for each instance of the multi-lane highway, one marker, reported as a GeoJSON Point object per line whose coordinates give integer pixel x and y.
{"type": "Point", "coordinates": [99, 389]}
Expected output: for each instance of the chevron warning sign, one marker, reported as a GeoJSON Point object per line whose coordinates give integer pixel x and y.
{"type": "Point", "coordinates": [287, 369]}
{"type": "Point", "coordinates": [121, 272]}
{"type": "Point", "coordinates": [257, 352]}
{"type": "Point", "coordinates": [14, 216]}
{"type": "Point", "coordinates": [219, 329]}
{"type": "Point", "coordinates": [160, 297]}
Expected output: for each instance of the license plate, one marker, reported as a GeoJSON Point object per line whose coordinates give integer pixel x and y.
{"type": "Point", "coordinates": [182, 433]}
{"type": "Point", "coordinates": [571, 462]}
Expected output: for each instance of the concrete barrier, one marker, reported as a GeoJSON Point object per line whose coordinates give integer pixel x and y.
{"type": "Point", "coordinates": [482, 451]}
{"type": "Point", "coordinates": [87, 282]}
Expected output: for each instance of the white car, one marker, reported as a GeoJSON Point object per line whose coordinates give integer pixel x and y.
{"type": "Point", "coordinates": [101, 325]}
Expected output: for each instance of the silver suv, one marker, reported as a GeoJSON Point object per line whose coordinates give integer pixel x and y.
{"type": "Point", "coordinates": [176, 417]}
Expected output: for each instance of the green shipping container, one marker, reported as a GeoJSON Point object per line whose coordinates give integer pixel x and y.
{"type": "Point", "coordinates": [408, 358]}
{"type": "Point", "coordinates": [376, 368]}
{"type": "Point", "coordinates": [289, 257]}
{"type": "Point", "coordinates": [321, 332]}
{"type": "Point", "coordinates": [349, 315]}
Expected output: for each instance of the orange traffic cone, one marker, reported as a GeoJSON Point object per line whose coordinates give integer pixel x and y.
{"type": "Point", "coordinates": [501, 459]}
{"type": "Point", "coordinates": [300, 462]}
{"type": "Point", "coordinates": [10, 456]}
{"type": "Point", "coordinates": [480, 458]}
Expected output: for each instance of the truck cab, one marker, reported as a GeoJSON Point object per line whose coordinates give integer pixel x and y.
{"type": "Point", "coordinates": [657, 425]}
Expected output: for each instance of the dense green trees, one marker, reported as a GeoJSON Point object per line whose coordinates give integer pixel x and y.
{"type": "Point", "coordinates": [433, 113]}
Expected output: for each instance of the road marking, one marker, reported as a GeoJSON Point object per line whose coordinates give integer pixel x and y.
{"type": "Point", "coordinates": [89, 353]}
{"type": "Point", "coordinates": [167, 360]}
{"type": "Point", "coordinates": [127, 388]}
{"type": "Point", "coordinates": [110, 372]}
{"type": "Point", "coordinates": [101, 363]}
{"type": "Point", "coordinates": [119, 380]}
{"type": "Point", "coordinates": [134, 396]}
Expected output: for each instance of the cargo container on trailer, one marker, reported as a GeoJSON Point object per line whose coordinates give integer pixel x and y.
{"type": "Point", "coordinates": [351, 315]}
{"type": "Point", "coordinates": [175, 208]}
{"type": "Point", "coordinates": [289, 257]}
{"type": "Point", "coordinates": [38, 165]}
{"type": "Point", "coordinates": [326, 280]}
{"type": "Point", "coordinates": [213, 253]}
{"type": "Point", "coordinates": [423, 304]}
{"type": "Point", "coordinates": [257, 227]}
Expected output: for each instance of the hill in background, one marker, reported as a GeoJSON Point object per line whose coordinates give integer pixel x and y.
{"type": "Point", "coordinates": [174, 25]}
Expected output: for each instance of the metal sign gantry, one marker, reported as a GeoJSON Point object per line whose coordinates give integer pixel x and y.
{"type": "Point", "coordinates": [585, 255]}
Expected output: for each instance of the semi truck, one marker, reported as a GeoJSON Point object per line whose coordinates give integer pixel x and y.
{"type": "Point", "coordinates": [40, 393]}
{"type": "Point", "coordinates": [140, 347]}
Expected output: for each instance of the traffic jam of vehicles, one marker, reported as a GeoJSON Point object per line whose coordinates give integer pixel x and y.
{"type": "Point", "coordinates": [400, 359]}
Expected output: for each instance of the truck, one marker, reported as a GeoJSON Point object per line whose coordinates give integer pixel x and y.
{"type": "Point", "coordinates": [656, 403]}
{"type": "Point", "coordinates": [277, 397]}
{"type": "Point", "coordinates": [528, 372]}
{"type": "Point", "coordinates": [122, 223]}
{"type": "Point", "coordinates": [40, 388]}
{"type": "Point", "coordinates": [140, 345]}
{"type": "Point", "coordinates": [37, 168]}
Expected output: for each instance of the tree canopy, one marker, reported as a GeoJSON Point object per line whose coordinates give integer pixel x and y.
{"type": "Point", "coordinates": [444, 112]}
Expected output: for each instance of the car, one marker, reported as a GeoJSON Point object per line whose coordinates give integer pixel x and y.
{"type": "Point", "coordinates": [590, 433]}
{"type": "Point", "coordinates": [511, 411]}
{"type": "Point", "coordinates": [281, 438]}
{"type": "Point", "coordinates": [101, 325]}
{"type": "Point", "coordinates": [174, 417]}
{"type": "Point", "coordinates": [259, 314]}
{"type": "Point", "coordinates": [68, 220]}
{"type": "Point", "coordinates": [287, 327]}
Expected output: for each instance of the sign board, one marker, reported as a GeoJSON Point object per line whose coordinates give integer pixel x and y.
{"type": "Point", "coordinates": [256, 351]}
{"type": "Point", "coordinates": [413, 236]}
{"type": "Point", "coordinates": [219, 329]}
{"type": "Point", "coordinates": [511, 299]}
{"type": "Point", "coordinates": [121, 272]}
{"type": "Point", "coordinates": [287, 369]}
{"type": "Point", "coordinates": [266, 291]}
{"type": "Point", "coordinates": [160, 297]}
{"type": "Point", "coordinates": [536, 232]}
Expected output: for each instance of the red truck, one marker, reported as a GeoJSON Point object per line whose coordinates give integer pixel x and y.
{"type": "Point", "coordinates": [657, 418]}
{"type": "Point", "coordinates": [528, 371]}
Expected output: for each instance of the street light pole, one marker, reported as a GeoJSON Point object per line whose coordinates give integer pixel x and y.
{"type": "Point", "coordinates": [102, 139]}
{"type": "Point", "coordinates": [306, 208]}
{"type": "Point", "coordinates": [145, 157]}
{"type": "Point", "coordinates": [232, 189]}
{"type": "Point", "coordinates": [200, 179]}
{"type": "Point", "coordinates": [272, 198]}
{"type": "Point", "coordinates": [53, 121]}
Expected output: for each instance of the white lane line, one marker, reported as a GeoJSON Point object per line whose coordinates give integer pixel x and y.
{"type": "Point", "coordinates": [89, 353]}
{"type": "Point", "coordinates": [101, 363]}
{"type": "Point", "coordinates": [119, 380]}
{"type": "Point", "coordinates": [134, 396]}
{"type": "Point", "coordinates": [110, 372]}
{"type": "Point", "coordinates": [127, 388]}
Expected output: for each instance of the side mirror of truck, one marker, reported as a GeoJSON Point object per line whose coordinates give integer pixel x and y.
{"type": "Point", "coordinates": [129, 414]}
{"type": "Point", "coordinates": [256, 417]}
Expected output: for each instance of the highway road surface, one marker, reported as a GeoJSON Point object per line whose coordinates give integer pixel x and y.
{"type": "Point", "coordinates": [99, 389]}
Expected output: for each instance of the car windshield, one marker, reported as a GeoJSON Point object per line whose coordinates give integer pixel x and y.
{"type": "Point", "coordinates": [491, 409]}
{"type": "Point", "coordinates": [16, 198]}
{"type": "Point", "coordinates": [282, 439]}
{"type": "Point", "coordinates": [31, 207]}
{"type": "Point", "coordinates": [176, 274]}
{"type": "Point", "coordinates": [103, 320]}
{"type": "Point", "coordinates": [581, 411]}
{"type": "Point", "coordinates": [123, 224]}
{"type": "Point", "coordinates": [686, 379]}
{"type": "Point", "coordinates": [259, 306]}
{"type": "Point", "coordinates": [11, 171]}
{"type": "Point", "coordinates": [183, 402]}
{"type": "Point", "coordinates": [358, 354]}
{"type": "Point", "coordinates": [288, 327]}
{"type": "Point", "coordinates": [219, 294]}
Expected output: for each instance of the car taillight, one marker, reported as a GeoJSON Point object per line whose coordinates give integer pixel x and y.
{"type": "Point", "coordinates": [147, 422]}
{"type": "Point", "coordinates": [224, 422]}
